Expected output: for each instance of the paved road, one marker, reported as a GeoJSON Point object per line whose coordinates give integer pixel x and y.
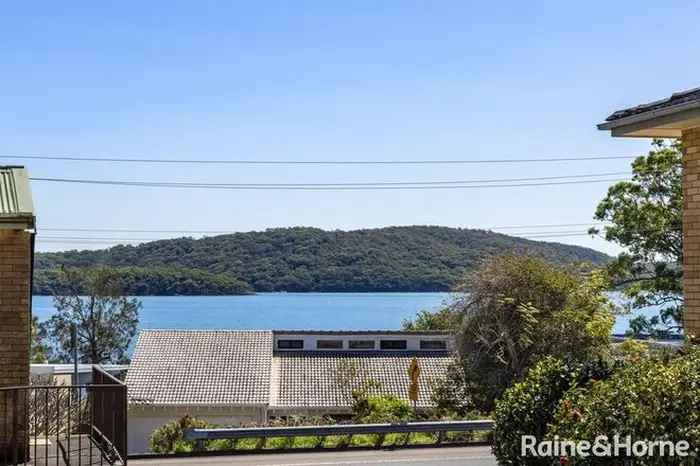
{"type": "Point", "coordinates": [466, 456]}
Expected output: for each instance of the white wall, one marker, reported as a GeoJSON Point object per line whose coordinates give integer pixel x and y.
{"type": "Point", "coordinates": [142, 421]}
{"type": "Point", "coordinates": [412, 340]}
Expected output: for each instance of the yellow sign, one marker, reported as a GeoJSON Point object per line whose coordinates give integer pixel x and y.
{"type": "Point", "coordinates": [413, 374]}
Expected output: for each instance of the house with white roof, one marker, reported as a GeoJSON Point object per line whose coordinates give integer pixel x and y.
{"type": "Point", "coordinates": [244, 377]}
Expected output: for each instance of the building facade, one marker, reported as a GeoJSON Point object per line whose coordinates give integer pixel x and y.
{"type": "Point", "coordinates": [17, 224]}
{"type": "Point", "coordinates": [241, 377]}
{"type": "Point", "coordinates": [676, 117]}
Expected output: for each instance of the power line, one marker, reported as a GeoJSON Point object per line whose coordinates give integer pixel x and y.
{"type": "Point", "coordinates": [231, 230]}
{"type": "Point", "coordinates": [102, 239]}
{"type": "Point", "coordinates": [88, 238]}
{"type": "Point", "coordinates": [555, 232]}
{"type": "Point", "coordinates": [79, 158]}
{"type": "Point", "coordinates": [124, 230]}
{"type": "Point", "coordinates": [544, 226]}
{"type": "Point", "coordinates": [328, 187]}
{"type": "Point", "coordinates": [534, 234]}
{"type": "Point", "coordinates": [555, 235]}
{"type": "Point", "coordinates": [407, 183]}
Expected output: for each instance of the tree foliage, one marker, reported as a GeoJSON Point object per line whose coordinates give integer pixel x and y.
{"type": "Point", "coordinates": [414, 258]}
{"type": "Point", "coordinates": [521, 309]}
{"type": "Point", "coordinates": [156, 281]}
{"type": "Point", "coordinates": [447, 319]}
{"type": "Point", "coordinates": [645, 217]}
{"type": "Point", "coordinates": [650, 399]}
{"type": "Point", "coordinates": [529, 406]}
{"type": "Point", "coordinates": [170, 437]}
{"type": "Point", "coordinates": [38, 348]}
{"type": "Point", "coordinates": [450, 395]}
{"type": "Point", "coordinates": [105, 320]}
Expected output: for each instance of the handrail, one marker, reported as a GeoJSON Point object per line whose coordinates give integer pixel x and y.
{"type": "Point", "coordinates": [50, 423]}
{"type": "Point", "coordinates": [339, 429]}
{"type": "Point", "coordinates": [61, 387]}
{"type": "Point", "coordinates": [107, 375]}
{"type": "Point", "coordinates": [109, 414]}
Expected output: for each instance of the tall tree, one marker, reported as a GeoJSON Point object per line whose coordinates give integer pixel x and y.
{"type": "Point", "coordinates": [520, 309]}
{"type": "Point", "coordinates": [645, 218]}
{"type": "Point", "coordinates": [106, 321]}
{"type": "Point", "coordinates": [38, 349]}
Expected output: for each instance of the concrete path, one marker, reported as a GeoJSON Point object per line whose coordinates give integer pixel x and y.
{"type": "Point", "coordinates": [464, 456]}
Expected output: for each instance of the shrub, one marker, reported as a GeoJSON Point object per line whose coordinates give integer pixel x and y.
{"type": "Point", "coordinates": [521, 309]}
{"type": "Point", "coordinates": [387, 408]}
{"type": "Point", "coordinates": [169, 438]}
{"type": "Point", "coordinates": [368, 408]}
{"type": "Point", "coordinates": [648, 400]}
{"type": "Point", "coordinates": [528, 407]}
{"type": "Point", "coordinates": [450, 395]}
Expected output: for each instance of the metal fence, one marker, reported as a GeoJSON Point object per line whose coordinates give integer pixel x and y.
{"type": "Point", "coordinates": [440, 428]}
{"type": "Point", "coordinates": [53, 424]}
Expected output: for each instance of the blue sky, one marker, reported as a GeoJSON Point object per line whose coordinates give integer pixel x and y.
{"type": "Point", "coordinates": [329, 80]}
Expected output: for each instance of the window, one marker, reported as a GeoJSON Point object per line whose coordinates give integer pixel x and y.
{"type": "Point", "coordinates": [433, 345]}
{"type": "Point", "coordinates": [361, 344]}
{"type": "Point", "coordinates": [329, 344]}
{"type": "Point", "coordinates": [290, 344]}
{"type": "Point", "coordinates": [393, 344]}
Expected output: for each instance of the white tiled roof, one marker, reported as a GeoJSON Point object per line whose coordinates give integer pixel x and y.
{"type": "Point", "coordinates": [192, 367]}
{"type": "Point", "coordinates": [239, 367]}
{"type": "Point", "coordinates": [315, 379]}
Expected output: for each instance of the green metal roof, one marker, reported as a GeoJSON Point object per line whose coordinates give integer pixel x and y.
{"type": "Point", "coordinates": [16, 206]}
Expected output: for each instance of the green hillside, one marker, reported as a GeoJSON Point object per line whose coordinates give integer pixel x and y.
{"type": "Point", "coordinates": [412, 258]}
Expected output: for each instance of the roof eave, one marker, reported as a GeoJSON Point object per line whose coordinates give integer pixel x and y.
{"type": "Point", "coordinates": [18, 222]}
{"type": "Point", "coordinates": [16, 205]}
{"type": "Point", "coordinates": [175, 404]}
{"type": "Point", "coordinates": [668, 122]}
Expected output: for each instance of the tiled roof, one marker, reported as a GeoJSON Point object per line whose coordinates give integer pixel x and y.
{"type": "Point", "coordinates": [191, 367]}
{"type": "Point", "coordinates": [325, 379]}
{"type": "Point", "coordinates": [679, 98]}
{"type": "Point", "coordinates": [360, 332]}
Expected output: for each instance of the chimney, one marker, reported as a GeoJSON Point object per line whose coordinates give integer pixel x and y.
{"type": "Point", "coordinates": [17, 224]}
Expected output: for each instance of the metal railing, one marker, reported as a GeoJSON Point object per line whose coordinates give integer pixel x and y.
{"type": "Point", "coordinates": [440, 428]}
{"type": "Point", "coordinates": [54, 424]}
{"type": "Point", "coordinates": [109, 414]}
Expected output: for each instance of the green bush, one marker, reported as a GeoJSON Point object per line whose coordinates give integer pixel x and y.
{"type": "Point", "coordinates": [451, 396]}
{"type": "Point", "coordinates": [379, 408]}
{"type": "Point", "coordinates": [528, 407]}
{"type": "Point", "coordinates": [648, 400]}
{"type": "Point", "coordinates": [387, 408]}
{"type": "Point", "coordinates": [169, 438]}
{"type": "Point", "coordinates": [520, 309]}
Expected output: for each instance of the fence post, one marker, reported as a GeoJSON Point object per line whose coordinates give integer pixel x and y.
{"type": "Point", "coordinates": [199, 445]}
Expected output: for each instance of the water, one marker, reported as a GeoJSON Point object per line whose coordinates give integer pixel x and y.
{"type": "Point", "coordinates": [290, 311]}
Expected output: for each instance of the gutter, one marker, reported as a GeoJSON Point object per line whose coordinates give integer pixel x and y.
{"type": "Point", "coordinates": [649, 115]}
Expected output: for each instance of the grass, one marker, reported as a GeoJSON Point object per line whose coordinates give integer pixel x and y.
{"type": "Point", "coordinates": [343, 441]}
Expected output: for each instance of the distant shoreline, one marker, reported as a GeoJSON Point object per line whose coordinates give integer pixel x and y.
{"type": "Point", "coordinates": [279, 293]}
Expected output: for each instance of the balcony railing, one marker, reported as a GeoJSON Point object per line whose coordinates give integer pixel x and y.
{"type": "Point", "coordinates": [55, 424]}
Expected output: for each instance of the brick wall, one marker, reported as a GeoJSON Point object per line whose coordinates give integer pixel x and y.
{"type": "Point", "coordinates": [15, 269]}
{"type": "Point", "coordinates": [691, 231]}
{"type": "Point", "coordinates": [15, 257]}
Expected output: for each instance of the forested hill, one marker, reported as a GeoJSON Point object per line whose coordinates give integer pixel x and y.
{"type": "Point", "coordinates": [412, 258]}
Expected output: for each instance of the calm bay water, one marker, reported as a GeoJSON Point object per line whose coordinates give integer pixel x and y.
{"type": "Point", "coordinates": [317, 311]}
